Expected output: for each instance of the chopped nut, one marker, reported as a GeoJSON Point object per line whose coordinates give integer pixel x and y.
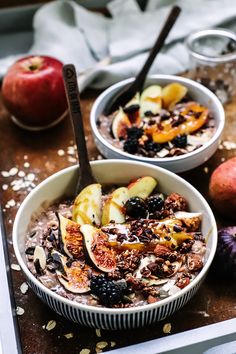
{"type": "Point", "coordinates": [15, 267]}
{"type": "Point", "coordinates": [101, 345]}
{"type": "Point", "coordinates": [98, 332]}
{"type": "Point", "coordinates": [50, 325]}
{"type": "Point", "coordinates": [176, 202]}
{"type": "Point", "coordinates": [20, 311]}
{"type": "Point", "coordinates": [151, 299]}
{"type": "Point", "coordinates": [24, 288]}
{"type": "Point", "coordinates": [194, 262]}
{"type": "Point", "coordinates": [167, 328]}
{"type": "Point", "coordinates": [69, 335]}
{"type": "Point", "coordinates": [85, 351]}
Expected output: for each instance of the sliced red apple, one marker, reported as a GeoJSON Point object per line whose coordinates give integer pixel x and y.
{"type": "Point", "coordinates": [113, 207]}
{"type": "Point", "coordinates": [172, 94]}
{"type": "Point", "coordinates": [87, 205]}
{"type": "Point", "coordinates": [142, 187]}
{"type": "Point", "coordinates": [97, 249]}
{"type": "Point", "coordinates": [120, 124]}
{"type": "Point", "coordinates": [150, 100]}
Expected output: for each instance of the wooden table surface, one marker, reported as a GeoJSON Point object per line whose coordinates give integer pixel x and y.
{"type": "Point", "coordinates": [37, 153]}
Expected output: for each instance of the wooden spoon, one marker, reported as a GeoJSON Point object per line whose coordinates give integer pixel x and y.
{"type": "Point", "coordinates": [128, 92]}
{"type": "Point", "coordinates": [72, 93]}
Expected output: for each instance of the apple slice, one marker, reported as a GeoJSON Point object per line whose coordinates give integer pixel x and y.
{"type": "Point", "coordinates": [142, 187]}
{"type": "Point", "coordinates": [133, 104]}
{"type": "Point", "coordinates": [97, 249]}
{"type": "Point", "coordinates": [150, 100]}
{"type": "Point", "coordinates": [172, 94]}
{"type": "Point", "coordinates": [70, 237]}
{"type": "Point", "coordinates": [87, 205]}
{"type": "Point", "coordinates": [113, 207]}
{"type": "Point", "coordinates": [120, 124]}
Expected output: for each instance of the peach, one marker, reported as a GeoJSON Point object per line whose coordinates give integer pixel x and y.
{"type": "Point", "coordinates": [222, 188]}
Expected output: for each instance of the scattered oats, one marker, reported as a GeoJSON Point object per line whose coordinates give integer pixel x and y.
{"type": "Point", "coordinates": [85, 351]}
{"type": "Point", "coordinates": [4, 210]}
{"type": "Point", "coordinates": [31, 176]}
{"type": "Point", "coordinates": [70, 150]}
{"type": "Point", "coordinates": [10, 221]}
{"type": "Point", "coordinates": [101, 345]}
{"type": "Point", "coordinates": [203, 313]}
{"type": "Point", "coordinates": [5, 174]}
{"type": "Point", "coordinates": [166, 328]}
{"type": "Point", "coordinates": [43, 326]}
{"type": "Point", "coordinates": [13, 171]}
{"type": "Point", "coordinates": [86, 138]}
{"type": "Point", "coordinates": [5, 187]}
{"type": "Point", "coordinates": [24, 288]}
{"type": "Point", "coordinates": [26, 165]}
{"type": "Point", "coordinates": [60, 152]}
{"type": "Point", "coordinates": [206, 169]}
{"type": "Point", "coordinates": [222, 159]}
{"type": "Point", "coordinates": [72, 159]}
{"type": "Point", "coordinates": [98, 332]}
{"type": "Point", "coordinates": [25, 157]}
{"type": "Point", "coordinates": [220, 147]}
{"type": "Point", "coordinates": [15, 267]}
{"type": "Point", "coordinates": [10, 203]}
{"type": "Point", "coordinates": [50, 325]}
{"type": "Point", "coordinates": [92, 158]}
{"type": "Point", "coordinates": [20, 311]}
{"type": "Point", "coordinates": [99, 157]}
{"type": "Point", "coordinates": [21, 174]}
{"type": "Point", "coordinates": [113, 344]}
{"type": "Point", "coordinates": [16, 188]}
{"type": "Point", "coordinates": [97, 350]}
{"type": "Point", "coordinates": [69, 335]}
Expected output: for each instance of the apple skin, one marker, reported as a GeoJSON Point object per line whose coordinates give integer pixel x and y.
{"type": "Point", "coordinates": [33, 90]}
{"type": "Point", "coordinates": [222, 188]}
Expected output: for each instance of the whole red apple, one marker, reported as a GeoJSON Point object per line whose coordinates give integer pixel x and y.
{"type": "Point", "coordinates": [33, 92]}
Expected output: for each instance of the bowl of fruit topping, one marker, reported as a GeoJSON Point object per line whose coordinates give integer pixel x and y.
{"type": "Point", "coordinates": [125, 252]}
{"type": "Point", "coordinates": [174, 123]}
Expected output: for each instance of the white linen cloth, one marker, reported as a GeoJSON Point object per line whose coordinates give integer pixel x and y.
{"type": "Point", "coordinates": [106, 50]}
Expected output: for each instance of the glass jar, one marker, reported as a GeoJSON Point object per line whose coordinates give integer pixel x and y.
{"type": "Point", "coordinates": [212, 56]}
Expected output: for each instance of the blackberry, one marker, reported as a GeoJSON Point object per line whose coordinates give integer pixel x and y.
{"type": "Point", "coordinates": [131, 146]}
{"type": "Point", "coordinates": [155, 203]}
{"type": "Point", "coordinates": [106, 290]}
{"type": "Point", "coordinates": [135, 207]}
{"type": "Point", "coordinates": [180, 141]}
{"type": "Point", "coordinates": [134, 132]}
{"type": "Point", "coordinates": [152, 146]}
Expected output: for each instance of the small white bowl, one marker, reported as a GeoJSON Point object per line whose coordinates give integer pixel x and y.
{"type": "Point", "coordinates": [63, 184]}
{"type": "Point", "coordinates": [177, 163]}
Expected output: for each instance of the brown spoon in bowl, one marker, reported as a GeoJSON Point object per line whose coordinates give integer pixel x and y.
{"type": "Point", "coordinates": [72, 93]}
{"type": "Point", "coordinates": [129, 91]}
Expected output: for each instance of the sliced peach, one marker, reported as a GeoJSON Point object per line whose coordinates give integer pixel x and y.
{"type": "Point", "coordinates": [120, 124]}
{"type": "Point", "coordinates": [172, 94]}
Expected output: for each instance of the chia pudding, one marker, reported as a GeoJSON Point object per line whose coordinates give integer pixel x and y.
{"type": "Point", "coordinates": [127, 247]}
{"type": "Point", "coordinates": [160, 122]}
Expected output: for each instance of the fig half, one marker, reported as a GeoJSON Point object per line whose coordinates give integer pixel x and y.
{"type": "Point", "coordinates": [70, 237]}
{"type": "Point", "coordinates": [74, 277]}
{"type": "Point", "coordinates": [97, 249]}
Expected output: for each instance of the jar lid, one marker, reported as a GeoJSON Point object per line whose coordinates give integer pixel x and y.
{"type": "Point", "coordinates": [212, 45]}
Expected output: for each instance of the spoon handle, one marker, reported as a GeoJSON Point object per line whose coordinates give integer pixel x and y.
{"type": "Point", "coordinates": [72, 93]}
{"type": "Point", "coordinates": [140, 79]}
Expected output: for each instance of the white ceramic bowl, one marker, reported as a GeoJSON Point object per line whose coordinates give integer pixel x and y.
{"type": "Point", "coordinates": [178, 163]}
{"type": "Point", "coordinates": [63, 184]}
